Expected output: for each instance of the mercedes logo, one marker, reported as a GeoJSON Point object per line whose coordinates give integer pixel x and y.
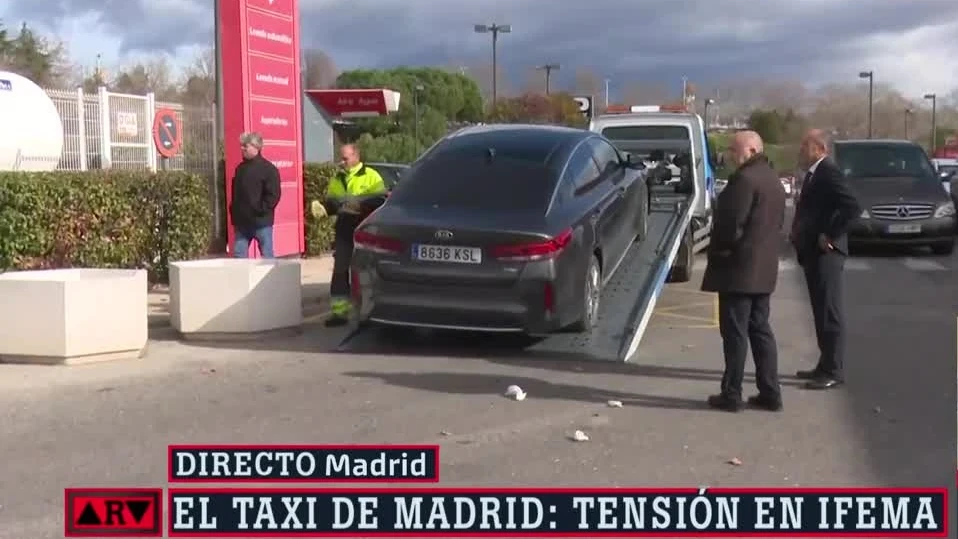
{"type": "Point", "coordinates": [443, 235]}
{"type": "Point", "coordinates": [903, 211]}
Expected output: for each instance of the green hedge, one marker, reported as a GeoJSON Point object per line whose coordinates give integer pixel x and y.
{"type": "Point", "coordinates": [318, 232]}
{"type": "Point", "coordinates": [111, 219]}
{"type": "Point", "coordinates": [123, 219]}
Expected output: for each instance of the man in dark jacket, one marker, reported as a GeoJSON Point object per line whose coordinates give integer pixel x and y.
{"type": "Point", "coordinates": [743, 269]}
{"type": "Point", "coordinates": [255, 194]}
{"type": "Point", "coordinates": [825, 208]}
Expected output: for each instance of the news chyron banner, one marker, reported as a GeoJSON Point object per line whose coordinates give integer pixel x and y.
{"type": "Point", "coordinates": [434, 511]}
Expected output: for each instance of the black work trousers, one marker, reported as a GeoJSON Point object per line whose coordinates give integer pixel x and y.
{"type": "Point", "coordinates": [743, 320]}
{"type": "Point", "coordinates": [824, 275]}
{"type": "Point", "coordinates": [342, 255]}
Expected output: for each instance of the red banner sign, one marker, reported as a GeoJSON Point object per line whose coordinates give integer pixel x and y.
{"type": "Point", "coordinates": [261, 93]}
{"type": "Point", "coordinates": [356, 103]}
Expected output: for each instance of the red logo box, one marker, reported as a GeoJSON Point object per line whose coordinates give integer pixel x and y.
{"type": "Point", "coordinates": [113, 512]}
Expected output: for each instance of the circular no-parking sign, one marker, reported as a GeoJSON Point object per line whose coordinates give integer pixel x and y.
{"type": "Point", "coordinates": [167, 133]}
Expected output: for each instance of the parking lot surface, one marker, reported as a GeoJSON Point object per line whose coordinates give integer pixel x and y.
{"type": "Point", "coordinates": [892, 424]}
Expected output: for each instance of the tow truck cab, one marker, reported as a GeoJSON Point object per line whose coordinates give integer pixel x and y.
{"type": "Point", "coordinates": [680, 134]}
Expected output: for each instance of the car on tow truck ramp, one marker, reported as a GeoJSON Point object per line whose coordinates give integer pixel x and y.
{"type": "Point", "coordinates": [901, 195]}
{"type": "Point", "coordinates": [502, 228]}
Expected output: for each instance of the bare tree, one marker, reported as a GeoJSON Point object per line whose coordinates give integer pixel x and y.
{"type": "Point", "coordinates": [151, 75]}
{"type": "Point", "coordinates": [645, 93]}
{"type": "Point", "coordinates": [319, 69]}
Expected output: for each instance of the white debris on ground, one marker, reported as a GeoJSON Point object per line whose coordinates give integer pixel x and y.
{"type": "Point", "coordinates": [579, 436]}
{"type": "Point", "coordinates": [615, 404]}
{"type": "Point", "coordinates": [516, 393]}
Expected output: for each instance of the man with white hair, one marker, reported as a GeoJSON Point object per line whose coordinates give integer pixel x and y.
{"type": "Point", "coordinates": [255, 194]}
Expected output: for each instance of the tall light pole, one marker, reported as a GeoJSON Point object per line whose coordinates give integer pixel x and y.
{"type": "Point", "coordinates": [934, 121]}
{"type": "Point", "coordinates": [607, 93]}
{"type": "Point", "coordinates": [870, 75]}
{"type": "Point", "coordinates": [908, 113]}
{"type": "Point", "coordinates": [495, 30]}
{"type": "Point", "coordinates": [548, 68]}
{"type": "Point", "coordinates": [708, 102]}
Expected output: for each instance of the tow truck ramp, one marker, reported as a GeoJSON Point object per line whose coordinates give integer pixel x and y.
{"type": "Point", "coordinates": [626, 306]}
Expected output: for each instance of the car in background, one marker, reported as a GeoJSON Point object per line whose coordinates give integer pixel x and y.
{"type": "Point", "coordinates": [391, 172]}
{"type": "Point", "coordinates": [948, 172]}
{"type": "Point", "coordinates": [501, 228]}
{"type": "Point", "coordinates": [900, 194]}
{"type": "Point", "coordinates": [788, 183]}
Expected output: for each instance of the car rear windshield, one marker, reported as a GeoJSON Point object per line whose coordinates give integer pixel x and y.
{"type": "Point", "coordinates": [883, 161]}
{"type": "Point", "coordinates": [468, 177]}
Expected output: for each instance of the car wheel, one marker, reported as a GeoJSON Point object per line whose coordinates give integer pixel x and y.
{"type": "Point", "coordinates": [943, 249]}
{"type": "Point", "coordinates": [592, 292]}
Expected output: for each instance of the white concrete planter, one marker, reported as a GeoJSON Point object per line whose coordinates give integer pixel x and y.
{"type": "Point", "coordinates": [72, 316]}
{"type": "Point", "coordinates": [235, 297]}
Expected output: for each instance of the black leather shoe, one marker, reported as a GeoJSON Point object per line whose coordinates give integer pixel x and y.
{"type": "Point", "coordinates": [725, 403]}
{"type": "Point", "coordinates": [824, 382]}
{"type": "Point", "coordinates": [807, 375]}
{"type": "Point", "coordinates": [336, 322]}
{"type": "Point", "coordinates": [769, 404]}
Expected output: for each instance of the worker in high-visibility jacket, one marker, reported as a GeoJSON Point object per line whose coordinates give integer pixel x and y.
{"type": "Point", "coordinates": [355, 192]}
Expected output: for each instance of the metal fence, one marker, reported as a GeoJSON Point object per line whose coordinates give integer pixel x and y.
{"type": "Point", "coordinates": [112, 130]}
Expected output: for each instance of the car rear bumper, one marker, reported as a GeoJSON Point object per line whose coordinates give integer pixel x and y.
{"type": "Point", "coordinates": [517, 307]}
{"type": "Point", "coordinates": [933, 231]}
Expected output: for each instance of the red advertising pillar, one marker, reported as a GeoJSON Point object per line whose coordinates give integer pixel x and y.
{"type": "Point", "coordinates": [260, 55]}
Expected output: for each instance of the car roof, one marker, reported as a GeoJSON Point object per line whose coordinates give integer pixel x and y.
{"type": "Point", "coordinates": [547, 141]}
{"type": "Point", "coordinates": [875, 142]}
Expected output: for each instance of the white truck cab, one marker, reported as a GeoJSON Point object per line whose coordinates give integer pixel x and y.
{"type": "Point", "coordinates": [642, 130]}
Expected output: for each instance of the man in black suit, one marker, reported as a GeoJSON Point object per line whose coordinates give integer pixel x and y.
{"type": "Point", "coordinates": [743, 269]}
{"type": "Point", "coordinates": [824, 209]}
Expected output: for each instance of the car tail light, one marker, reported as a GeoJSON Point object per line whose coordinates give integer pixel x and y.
{"type": "Point", "coordinates": [527, 252]}
{"type": "Point", "coordinates": [548, 298]}
{"type": "Point", "coordinates": [355, 291]}
{"type": "Point", "coordinates": [376, 243]}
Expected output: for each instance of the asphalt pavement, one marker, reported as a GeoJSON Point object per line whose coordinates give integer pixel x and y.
{"type": "Point", "coordinates": [892, 424]}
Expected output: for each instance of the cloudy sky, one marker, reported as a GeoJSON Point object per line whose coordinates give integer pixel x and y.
{"type": "Point", "coordinates": [911, 44]}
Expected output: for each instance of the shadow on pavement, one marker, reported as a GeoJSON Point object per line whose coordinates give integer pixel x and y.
{"type": "Point", "coordinates": [485, 384]}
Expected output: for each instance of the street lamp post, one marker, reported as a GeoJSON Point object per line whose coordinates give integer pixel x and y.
{"type": "Point", "coordinates": [415, 101]}
{"type": "Point", "coordinates": [495, 30]}
{"type": "Point", "coordinates": [870, 75]}
{"type": "Point", "coordinates": [908, 113]}
{"type": "Point", "coordinates": [934, 121]}
{"type": "Point", "coordinates": [607, 93]}
{"type": "Point", "coordinates": [549, 68]}
{"type": "Point", "coordinates": [708, 102]}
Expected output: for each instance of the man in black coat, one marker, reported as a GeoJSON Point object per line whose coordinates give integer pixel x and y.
{"type": "Point", "coordinates": [255, 194]}
{"type": "Point", "coordinates": [743, 269]}
{"type": "Point", "coordinates": [823, 212]}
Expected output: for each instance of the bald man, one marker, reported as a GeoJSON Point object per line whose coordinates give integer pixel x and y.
{"type": "Point", "coordinates": [743, 270]}
{"type": "Point", "coordinates": [825, 208]}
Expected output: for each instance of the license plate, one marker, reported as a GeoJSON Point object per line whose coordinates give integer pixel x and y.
{"type": "Point", "coordinates": [904, 229]}
{"type": "Point", "coordinates": [447, 253]}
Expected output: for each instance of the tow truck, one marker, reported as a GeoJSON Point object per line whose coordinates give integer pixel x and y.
{"type": "Point", "coordinates": [680, 220]}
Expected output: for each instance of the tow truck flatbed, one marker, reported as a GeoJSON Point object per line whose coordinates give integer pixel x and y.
{"type": "Point", "coordinates": [628, 299]}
